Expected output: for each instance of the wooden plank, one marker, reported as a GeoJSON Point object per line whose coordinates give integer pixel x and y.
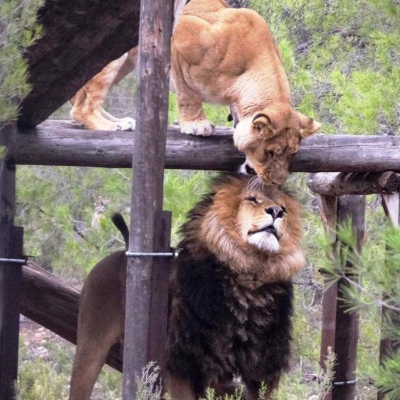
{"type": "Point", "coordinates": [53, 304]}
{"type": "Point", "coordinates": [10, 248]}
{"type": "Point", "coordinates": [341, 329]}
{"type": "Point", "coordinates": [340, 183]}
{"type": "Point", "coordinates": [54, 144]}
{"type": "Point", "coordinates": [147, 185]}
{"type": "Point", "coordinates": [80, 38]}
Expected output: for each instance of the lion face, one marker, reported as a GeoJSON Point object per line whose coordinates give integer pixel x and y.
{"type": "Point", "coordinates": [270, 138]}
{"type": "Point", "coordinates": [261, 221]}
{"type": "Point", "coordinates": [249, 214]}
{"type": "Point", "coordinates": [250, 227]}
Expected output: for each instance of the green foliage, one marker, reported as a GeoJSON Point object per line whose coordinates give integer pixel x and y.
{"type": "Point", "coordinates": [18, 30]}
{"type": "Point", "coordinates": [342, 59]}
{"type": "Point", "coordinates": [66, 212]}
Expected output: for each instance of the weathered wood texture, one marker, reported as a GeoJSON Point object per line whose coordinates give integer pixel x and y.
{"type": "Point", "coordinates": [160, 290]}
{"type": "Point", "coordinates": [340, 329]}
{"type": "Point", "coordinates": [10, 273]}
{"type": "Point", "coordinates": [59, 143]}
{"type": "Point", "coordinates": [54, 305]}
{"type": "Point", "coordinates": [80, 38]}
{"type": "Point", "coordinates": [153, 71]}
{"type": "Point", "coordinates": [339, 183]}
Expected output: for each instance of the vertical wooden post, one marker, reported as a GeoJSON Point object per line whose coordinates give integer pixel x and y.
{"type": "Point", "coordinates": [388, 346]}
{"type": "Point", "coordinates": [341, 329]}
{"type": "Point", "coordinates": [10, 272]}
{"type": "Point", "coordinates": [147, 194]}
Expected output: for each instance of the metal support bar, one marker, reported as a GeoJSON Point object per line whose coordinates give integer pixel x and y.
{"type": "Point", "coordinates": [138, 254]}
{"type": "Point", "coordinates": [21, 261]}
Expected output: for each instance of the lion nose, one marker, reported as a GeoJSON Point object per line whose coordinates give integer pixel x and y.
{"type": "Point", "coordinates": [275, 211]}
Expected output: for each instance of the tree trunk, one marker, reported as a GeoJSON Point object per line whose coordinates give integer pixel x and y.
{"type": "Point", "coordinates": [80, 38]}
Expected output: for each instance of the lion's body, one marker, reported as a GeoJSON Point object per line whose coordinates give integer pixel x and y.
{"type": "Point", "coordinates": [220, 328]}
{"type": "Point", "coordinates": [230, 295]}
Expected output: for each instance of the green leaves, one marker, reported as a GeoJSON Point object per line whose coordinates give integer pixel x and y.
{"type": "Point", "coordinates": [18, 30]}
{"type": "Point", "coordinates": [351, 53]}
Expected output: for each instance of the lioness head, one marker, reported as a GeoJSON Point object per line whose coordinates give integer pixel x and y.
{"type": "Point", "coordinates": [270, 138]}
{"type": "Point", "coordinates": [252, 228]}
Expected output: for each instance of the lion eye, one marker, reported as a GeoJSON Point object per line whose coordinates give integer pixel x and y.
{"type": "Point", "coordinates": [269, 154]}
{"type": "Point", "coordinates": [252, 199]}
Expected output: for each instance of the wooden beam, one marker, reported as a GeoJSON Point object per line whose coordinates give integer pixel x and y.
{"type": "Point", "coordinates": [52, 143]}
{"type": "Point", "coordinates": [80, 38]}
{"type": "Point", "coordinates": [10, 271]}
{"type": "Point", "coordinates": [143, 279]}
{"type": "Point", "coordinates": [340, 183]}
{"type": "Point", "coordinates": [53, 304]}
{"type": "Point", "coordinates": [340, 329]}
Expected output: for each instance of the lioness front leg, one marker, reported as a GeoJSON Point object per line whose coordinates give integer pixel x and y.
{"type": "Point", "coordinates": [192, 119]}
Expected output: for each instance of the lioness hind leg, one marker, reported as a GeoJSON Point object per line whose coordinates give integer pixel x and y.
{"type": "Point", "coordinates": [87, 103]}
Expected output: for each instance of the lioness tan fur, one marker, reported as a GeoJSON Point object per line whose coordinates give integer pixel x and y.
{"type": "Point", "coordinates": [230, 282]}
{"type": "Point", "coordinates": [225, 56]}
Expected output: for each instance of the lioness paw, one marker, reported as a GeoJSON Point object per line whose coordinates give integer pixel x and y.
{"type": "Point", "coordinates": [201, 128]}
{"type": "Point", "coordinates": [126, 124]}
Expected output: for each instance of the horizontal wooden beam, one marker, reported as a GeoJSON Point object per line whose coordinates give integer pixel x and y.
{"type": "Point", "coordinates": [340, 183]}
{"type": "Point", "coordinates": [62, 143]}
{"type": "Point", "coordinates": [54, 305]}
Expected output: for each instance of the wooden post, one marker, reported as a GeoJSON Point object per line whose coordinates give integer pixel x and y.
{"type": "Point", "coordinates": [340, 329]}
{"type": "Point", "coordinates": [10, 271]}
{"type": "Point", "coordinates": [388, 346]}
{"type": "Point", "coordinates": [143, 279]}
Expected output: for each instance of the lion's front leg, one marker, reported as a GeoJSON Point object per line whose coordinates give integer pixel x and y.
{"type": "Point", "coordinates": [179, 389]}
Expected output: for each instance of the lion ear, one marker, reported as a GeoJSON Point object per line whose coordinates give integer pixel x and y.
{"type": "Point", "coordinates": [262, 125]}
{"type": "Point", "coordinates": [308, 125]}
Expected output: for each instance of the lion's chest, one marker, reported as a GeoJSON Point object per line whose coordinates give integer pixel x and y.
{"type": "Point", "coordinates": [223, 325]}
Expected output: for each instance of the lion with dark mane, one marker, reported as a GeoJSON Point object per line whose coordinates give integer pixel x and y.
{"type": "Point", "coordinates": [230, 294]}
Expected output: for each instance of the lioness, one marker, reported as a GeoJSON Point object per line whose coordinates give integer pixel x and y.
{"type": "Point", "coordinates": [230, 295]}
{"type": "Point", "coordinates": [225, 56]}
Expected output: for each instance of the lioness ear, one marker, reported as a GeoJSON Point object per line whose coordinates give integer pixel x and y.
{"type": "Point", "coordinates": [308, 125]}
{"type": "Point", "coordinates": [262, 124]}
